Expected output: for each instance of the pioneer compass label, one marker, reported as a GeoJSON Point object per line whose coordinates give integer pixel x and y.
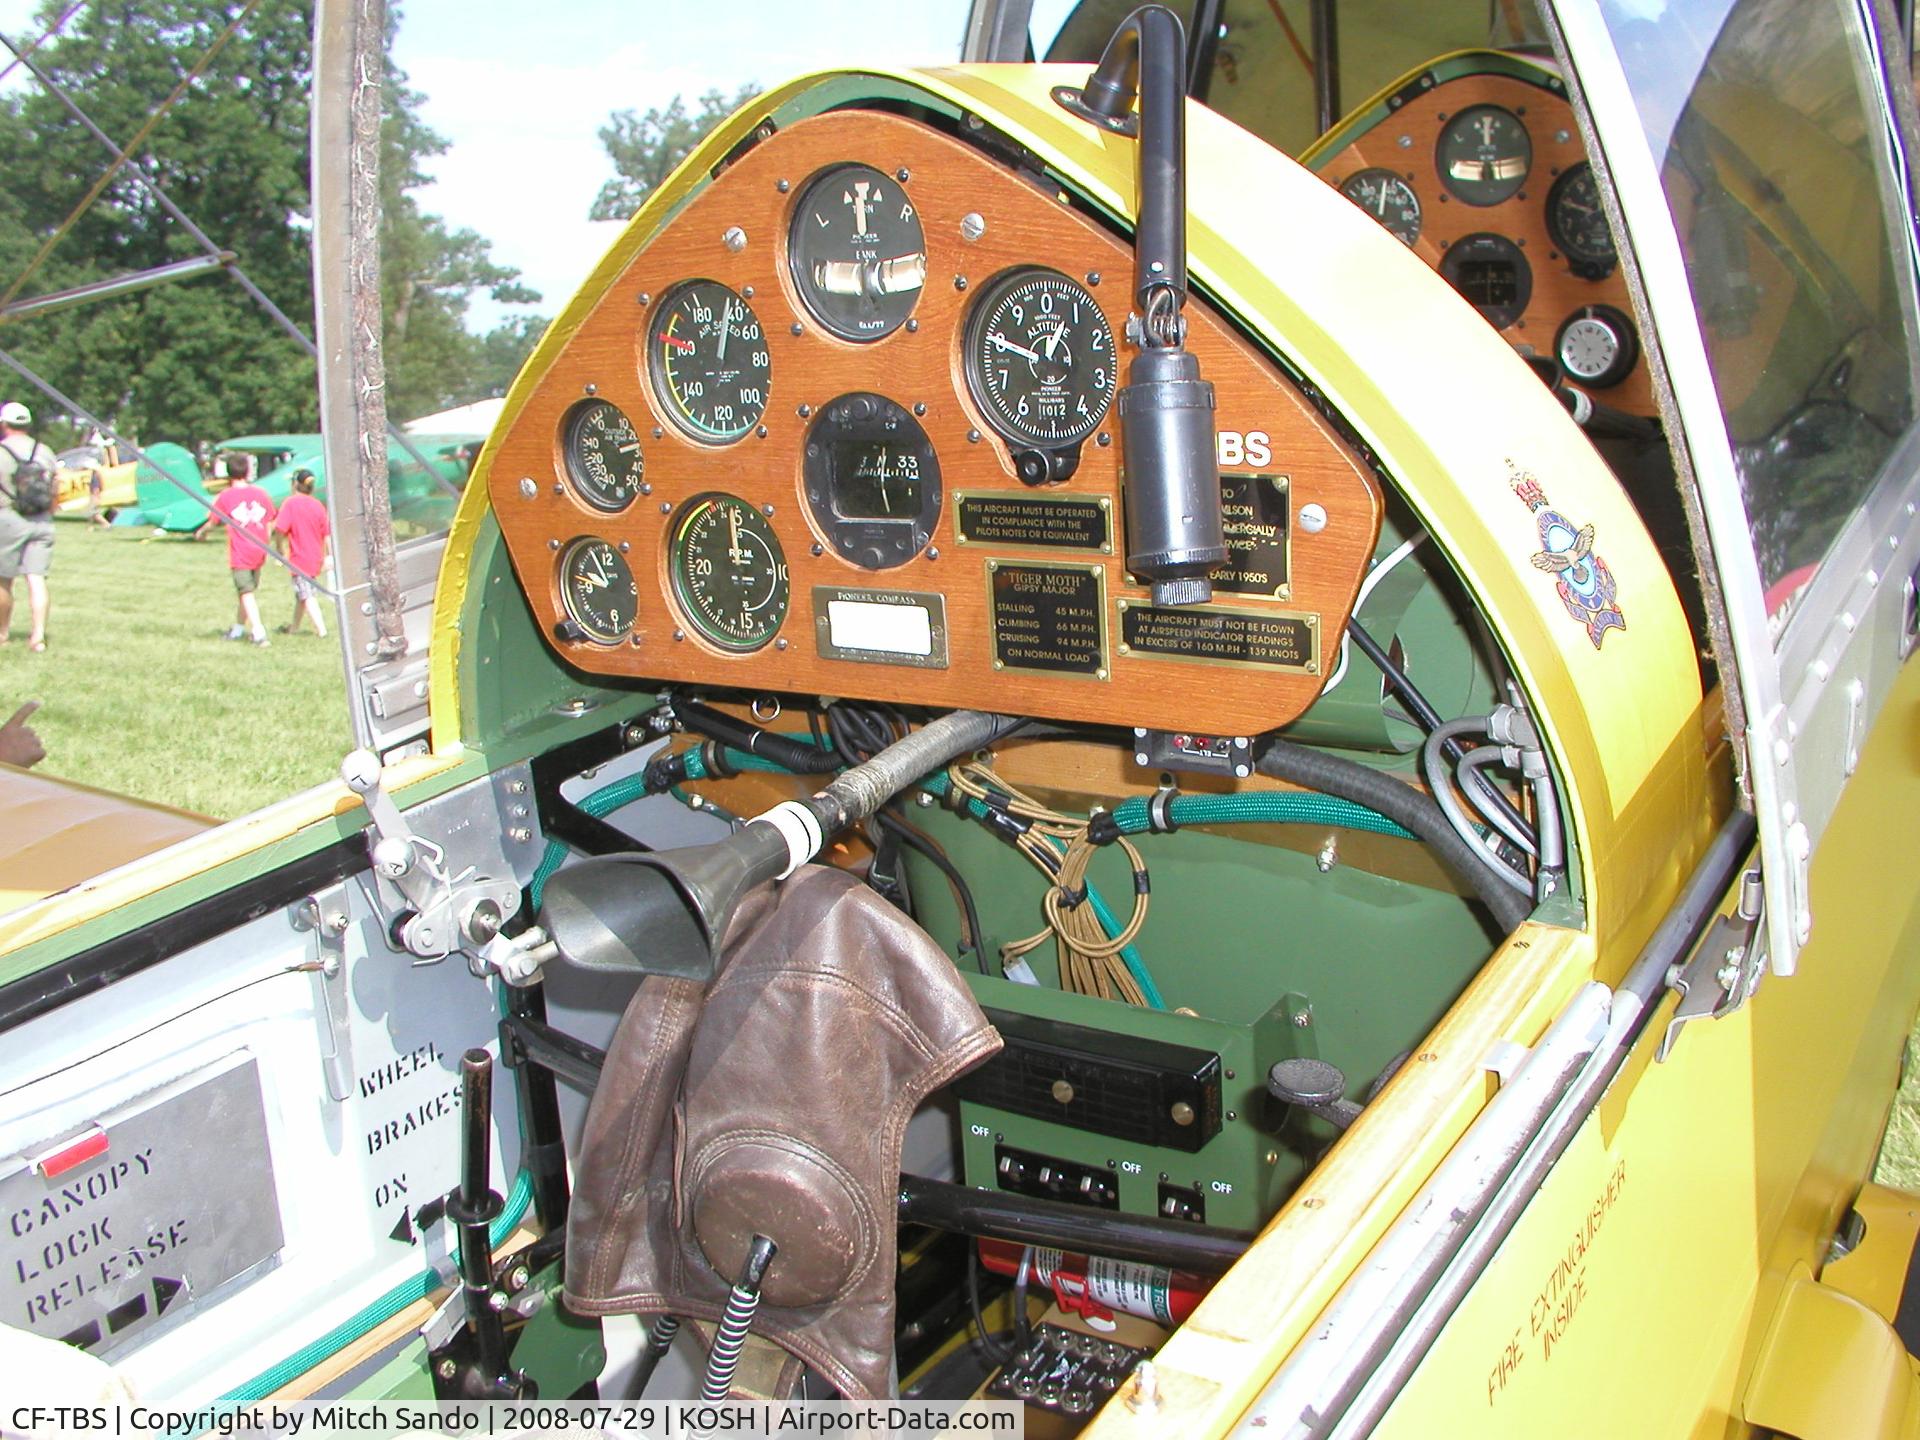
{"type": "Point", "coordinates": [1048, 617]}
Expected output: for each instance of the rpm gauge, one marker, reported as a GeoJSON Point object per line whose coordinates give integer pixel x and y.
{"type": "Point", "coordinates": [857, 253]}
{"type": "Point", "coordinates": [1388, 198]}
{"type": "Point", "coordinates": [1039, 358]}
{"type": "Point", "coordinates": [728, 571]}
{"type": "Point", "coordinates": [598, 590]}
{"type": "Point", "coordinates": [707, 356]}
{"type": "Point", "coordinates": [1484, 154]}
{"type": "Point", "coordinates": [603, 458]}
{"type": "Point", "coordinates": [1578, 225]}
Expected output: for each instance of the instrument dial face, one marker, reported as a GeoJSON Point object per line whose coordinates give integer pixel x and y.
{"type": "Point", "coordinates": [1484, 154]}
{"type": "Point", "coordinates": [857, 253]}
{"type": "Point", "coordinates": [1576, 222]}
{"type": "Point", "coordinates": [603, 458]}
{"type": "Point", "coordinates": [1597, 346]}
{"type": "Point", "coordinates": [872, 480]}
{"type": "Point", "coordinates": [1040, 358]}
{"type": "Point", "coordinates": [597, 590]}
{"type": "Point", "coordinates": [728, 571]}
{"type": "Point", "coordinates": [708, 358]}
{"type": "Point", "coordinates": [1388, 198]}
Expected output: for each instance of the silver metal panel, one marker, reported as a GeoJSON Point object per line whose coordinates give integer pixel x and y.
{"type": "Point", "coordinates": [180, 1202]}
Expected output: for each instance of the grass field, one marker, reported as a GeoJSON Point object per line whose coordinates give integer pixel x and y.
{"type": "Point", "coordinates": [141, 694]}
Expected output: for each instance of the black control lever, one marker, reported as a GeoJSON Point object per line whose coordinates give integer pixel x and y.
{"type": "Point", "coordinates": [473, 1206]}
{"type": "Point", "coordinates": [1175, 532]}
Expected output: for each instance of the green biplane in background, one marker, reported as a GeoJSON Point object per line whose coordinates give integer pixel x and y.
{"type": "Point", "coordinates": [423, 496]}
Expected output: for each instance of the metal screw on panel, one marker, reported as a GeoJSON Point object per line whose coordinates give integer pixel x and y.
{"type": "Point", "coordinates": [559, 488]}
{"type": "Point", "coordinates": [646, 487]}
{"type": "Point", "coordinates": [446, 1369]}
{"type": "Point", "coordinates": [1093, 277]}
{"type": "Point", "coordinates": [626, 546]}
{"type": "Point", "coordinates": [366, 607]}
{"type": "Point", "coordinates": [796, 328]}
{"type": "Point", "coordinates": [920, 407]}
{"type": "Point", "coordinates": [913, 327]}
{"type": "Point", "coordinates": [903, 175]}
{"type": "Point", "coordinates": [933, 552]}
{"type": "Point", "coordinates": [804, 411]}
{"type": "Point", "coordinates": [1302, 1019]}
{"type": "Point", "coordinates": [972, 225]}
{"type": "Point", "coordinates": [520, 833]}
{"type": "Point", "coordinates": [959, 282]}
{"type": "Point", "coordinates": [816, 548]}
{"type": "Point", "coordinates": [1329, 855]}
{"type": "Point", "coordinates": [679, 634]}
{"type": "Point", "coordinates": [591, 389]}
{"type": "Point", "coordinates": [1405, 142]}
{"type": "Point", "coordinates": [734, 238]}
{"type": "Point", "coordinates": [666, 508]}
{"type": "Point", "coordinates": [553, 544]}
{"type": "Point", "coordinates": [496, 1300]}
{"type": "Point", "coordinates": [766, 509]}
{"type": "Point", "coordinates": [528, 489]}
{"type": "Point", "coordinates": [1562, 136]}
{"type": "Point", "coordinates": [516, 787]}
{"type": "Point", "coordinates": [924, 800]}
{"type": "Point", "coordinates": [761, 432]}
{"type": "Point", "coordinates": [746, 291]}
{"type": "Point", "coordinates": [1104, 440]}
{"type": "Point", "coordinates": [783, 186]}
{"type": "Point", "coordinates": [1313, 518]}
{"type": "Point", "coordinates": [518, 1277]}
{"type": "Point", "coordinates": [973, 437]}
{"type": "Point", "coordinates": [644, 298]}
{"type": "Point", "coordinates": [780, 644]}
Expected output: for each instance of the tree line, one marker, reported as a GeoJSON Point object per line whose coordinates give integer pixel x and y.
{"type": "Point", "coordinates": [196, 359]}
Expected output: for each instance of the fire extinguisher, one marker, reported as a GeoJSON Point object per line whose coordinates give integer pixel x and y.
{"type": "Point", "coordinates": [1096, 1287]}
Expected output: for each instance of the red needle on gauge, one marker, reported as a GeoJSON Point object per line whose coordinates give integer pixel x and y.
{"type": "Point", "coordinates": [685, 347]}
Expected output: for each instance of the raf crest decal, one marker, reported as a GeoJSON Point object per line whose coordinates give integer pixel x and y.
{"type": "Point", "coordinates": [1585, 583]}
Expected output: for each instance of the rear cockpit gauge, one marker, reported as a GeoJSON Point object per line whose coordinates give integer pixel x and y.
{"type": "Point", "coordinates": [1577, 224]}
{"type": "Point", "coordinates": [857, 253]}
{"type": "Point", "coordinates": [1493, 274]}
{"type": "Point", "coordinates": [872, 480]}
{"type": "Point", "coordinates": [707, 357]}
{"type": "Point", "coordinates": [597, 590]}
{"type": "Point", "coordinates": [1388, 198]}
{"type": "Point", "coordinates": [604, 463]}
{"type": "Point", "coordinates": [1484, 154]}
{"type": "Point", "coordinates": [728, 572]}
{"type": "Point", "coordinates": [1040, 362]}
{"type": "Point", "coordinates": [1597, 346]}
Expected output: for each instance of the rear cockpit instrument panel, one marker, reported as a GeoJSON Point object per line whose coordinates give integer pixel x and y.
{"type": "Point", "coordinates": [845, 425]}
{"type": "Point", "coordinates": [1476, 164]}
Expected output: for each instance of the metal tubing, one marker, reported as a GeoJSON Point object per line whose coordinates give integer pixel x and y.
{"type": "Point", "coordinates": [473, 1207]}
{"type": "Point", "coordinates": [1147, 57]}
{"type": "Point", "coordinates": [659, 1341]}
{"type": "Point", "coordinates": [543, 1145]}
{"type": "Point", "coordinates": [119, 285]}
{"type": "Point", "coordinates": [996, 1215]}
{"type": "Point", "coordinates": [1325, 33]}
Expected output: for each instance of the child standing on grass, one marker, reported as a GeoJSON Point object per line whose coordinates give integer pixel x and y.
{"type": "Point", "coordinates": [247, 511]}
{"type": "Point", "coordinates": [305, 528]}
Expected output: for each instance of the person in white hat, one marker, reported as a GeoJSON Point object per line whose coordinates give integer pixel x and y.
{"type": "Point", "coordinates": [26, 531]}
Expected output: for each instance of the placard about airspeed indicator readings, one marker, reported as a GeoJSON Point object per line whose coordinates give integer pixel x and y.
{"type": "Point", "coordinates": [109, 1229]}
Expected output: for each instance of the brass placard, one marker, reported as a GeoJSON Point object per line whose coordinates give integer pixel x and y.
{"type": "Point", "coordinates": [1050, 618]}
{"type": "Point", "coordinates": [1255, 509]}
{"type": "Point", "coordinates": [881, 627]}
{"type": "Point", "coordinates": [1040, 522]}
{"type": "Point", "coordinates": [1216, 635]}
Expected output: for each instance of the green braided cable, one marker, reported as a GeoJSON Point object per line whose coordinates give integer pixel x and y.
{"type": "Point", "coordinates": [1302, 807]}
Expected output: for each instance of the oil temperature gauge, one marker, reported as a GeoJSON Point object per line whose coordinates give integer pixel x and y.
{"type": "Point", "coordinates": [729, 573]}
{"type": "Point", "coordinates": [603, 458]}
{"type": "Point", "coordinates": [857, 253]}
{"type": "Point", "coordinates": [597, 591]}
{"type": "Point", "coordinates": [1388, 198]}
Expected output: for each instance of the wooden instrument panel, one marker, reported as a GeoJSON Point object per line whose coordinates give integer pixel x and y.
{"type": "Point", "coordinates": [1014, 597]}
{"type": "Point", "coordinates": [1406, 143]}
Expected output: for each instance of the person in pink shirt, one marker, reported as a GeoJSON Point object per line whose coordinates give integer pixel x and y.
{"type": "Point", "coordinates": [301, 533]}
{"type": "Point", "coordinates": [247, 511]}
